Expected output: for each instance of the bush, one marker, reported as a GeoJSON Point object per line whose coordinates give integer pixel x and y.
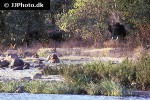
{"type": "Point", "coordinates": [93, 78]}
{"type": "Point", "coordinates": [8, 87]}
{"type": "Point", "coordinates": [125, 73]}
{"type": "Point", "coordinates": [110, 88]}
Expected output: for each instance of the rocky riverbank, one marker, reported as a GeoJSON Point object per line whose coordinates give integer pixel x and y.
{"type": "Point", "coordinates": [66, 56]}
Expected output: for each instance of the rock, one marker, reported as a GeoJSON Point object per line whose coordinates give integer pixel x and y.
{"type": "Point", "coordinates": [42, 67]}
{"type": "Point", "coordinates": [25, 79]}
{"type": "Point", "coordinates": [20, 89]}
{"type": "Point", "coordinates": [53, 58]}
{"type": "Point", "coordinates": [55, 61]}
{"type": "Point", "coordinates": [37, 76]}
{"type": "Point", "coordinates": [28, 54]}
{"type": "Point", "coordinates": [11, 51]}
{"type": "Point", "coordinates": [35, 55]}
{"type": "Point", "coordinates": [141, 93]}
{"type": "Point", "coordinates": [38, 65]}
{"type": "Point", "coordinates": [21, 56]}
{"type": "Point", "coordinates": [2, 55]}
{"type": "Point", "coordinates": [17, 63]}
{"type": "Point", "coordinates": [18, 68]}
{"type": "Point", "coordinates": [26, 66]}
{"type": "Point", "coordinates": [4, 63]}
{"type": "Point", "coordinates": [12, 56]}
{"type": "Point", "coordinates": [38, 61]}
{"type": "Point", "coordinates": [114, 62]}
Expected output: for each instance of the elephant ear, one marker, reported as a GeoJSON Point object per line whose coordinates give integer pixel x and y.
{"type": "Point", "coordinates": [110, 28]}
{"type": "Point", "coordinates": [122, 29]}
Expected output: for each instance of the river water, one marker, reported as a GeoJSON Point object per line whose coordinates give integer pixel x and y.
{"type": "Point", "coordinates": [28, 96]}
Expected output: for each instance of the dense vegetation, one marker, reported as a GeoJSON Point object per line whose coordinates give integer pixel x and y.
{"type": "Point", "coordinates": [93, 78]}
{"type": "Point", "coordinates": [85, 20]}
{"type": "Point", "coordinates": [128, 74]}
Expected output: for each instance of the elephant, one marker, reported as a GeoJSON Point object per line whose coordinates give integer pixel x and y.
{"type": "Point", "coordinates": [117, 31]}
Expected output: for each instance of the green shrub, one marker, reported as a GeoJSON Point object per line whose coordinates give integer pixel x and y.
{"type": "Point", "coordinates": [9, 87]}
{"type": "Point", "coordinates": [110, 88]}
{"type": "Point", "coordinates": [143, 72]}
{"type": "Point", "coordinates": [94, 78]}
{"type": "Point", "coordinates": [35, 86]}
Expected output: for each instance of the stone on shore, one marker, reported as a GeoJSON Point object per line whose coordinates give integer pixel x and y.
{"type": "Point", "coordinates": [4, 63]}
{"type": "Point", "coordinates": [53, 58]}
{"type": "Point", "coordinates": [37, 76]}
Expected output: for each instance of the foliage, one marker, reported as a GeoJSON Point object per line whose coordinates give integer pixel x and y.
{"type": "Point", "coordinates": [94, 79]}
{"type": "Point", "coordinates": [89, 19]}
{"type": "Point", "coordinates": [125, 73]}
{"type": "Point", "coordinates": [142, 36]}
{"type": "Point", "coordinates": [84, 19]}
{"type": "Point", "coordinates": [8, 87]}
{"type": "Point", "coordinates": [23, 26]}
{"type": "Point", "coordinates": [110, 88]}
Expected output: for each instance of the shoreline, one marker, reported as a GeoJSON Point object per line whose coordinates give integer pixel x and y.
{"type": "Point", "coordinates": [58, 84]}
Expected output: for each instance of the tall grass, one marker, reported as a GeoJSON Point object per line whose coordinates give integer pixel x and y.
{"type": "Point", "coordinates": [112, 77]}
{"type": "Point", "coordinates": [38, 87]}
{"type": "Point", "coordinates": [8, 87]}
{"type": "Point", "coordinates": [93, 78]}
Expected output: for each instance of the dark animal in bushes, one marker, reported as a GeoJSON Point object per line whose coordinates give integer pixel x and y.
{"type": "Point", "coordinates": [57, 35]}
{"type": "Point", "coordinates": [117, 31]}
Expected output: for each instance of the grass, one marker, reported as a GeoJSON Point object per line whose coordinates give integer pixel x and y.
{"type": "Point", "coordinates": [97, 78]}
{"type": "Point", "coordinates": [110, 78]}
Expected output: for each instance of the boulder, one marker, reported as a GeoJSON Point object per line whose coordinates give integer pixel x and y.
{"type": "Point", "coordinates": [53, 58]}
{"type": "Point", "coordinates": [17, 64]}
{"type": "Point", "coordinates": [21, 55]}
{"type": "Point", "coordinates": [37, 76]}
{"type": "Point", "coordinates": [2, 55]}
{"type": "Point", "coordinates": [25, 79]}
{"type": "Point", "coordinates": [28, 54]}
{"type": "Point", "coordinates": [12, 56]}
{"type": "Point", "coordinates": [18, 68]}
{"type": "Point", "coordinates": [4, 63]}
{"type": "Point", "coordinates": [26, 66]}
{"type": "Point", "coordinates": [20, 89]}
{"type": "Point", "coordinates": [35, 55]}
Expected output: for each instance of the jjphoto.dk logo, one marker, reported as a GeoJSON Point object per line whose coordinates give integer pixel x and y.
{"type": "Point", "coordinates": [14, 5]}
{"type": "Point", "coordinates": [6, 5]}
{"type": "Point", "coordinates": [24, 4]}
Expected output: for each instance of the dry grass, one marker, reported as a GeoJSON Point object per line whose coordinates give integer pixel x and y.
{"type": "Point", "coordinates": [78, 47]}
{"type": "Point", "coordinates": [144, 35]}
